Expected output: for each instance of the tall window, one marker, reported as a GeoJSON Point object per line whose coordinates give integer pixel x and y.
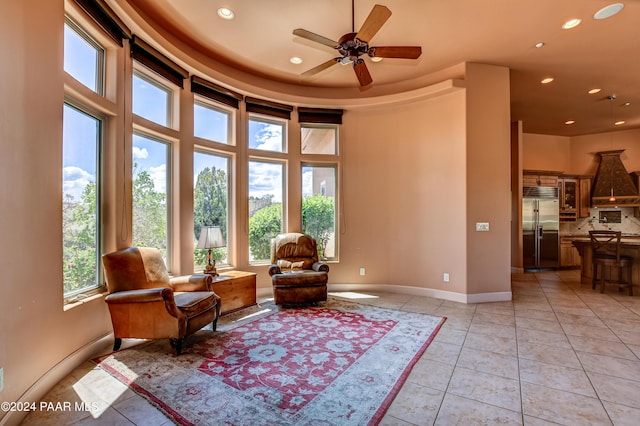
{"type": "Point", "coordinates": [80, 195]}
{"type": "Point", "coordinates": [211, 123]}
{"type": "Point", "coordinates": [210, 201]}
{"type": "Point", "coordinates": [150, 193]}
{"type": "Point", "coordinates": [267, 135]}
{"type": "Point", "coordinates": [319, 207]}
{"type": "Point", "coordinates": [83, 57]}
{"type": "Point", "coordinates": [266, 186]}
{"type": "Point", "coordinates": [152, 100]}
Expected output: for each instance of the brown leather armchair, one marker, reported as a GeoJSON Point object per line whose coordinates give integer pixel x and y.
{"type": "Point", "coordinates": [145, 303]}
{"type": "Point", "coordinates": [296, 274]}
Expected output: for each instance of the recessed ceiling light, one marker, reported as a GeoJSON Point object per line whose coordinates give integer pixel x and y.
{"type": "Point", "coordinates": [547, 80]}
{"type": "Point", "coordinates": [295, 60]}
{"type": "Point", "coordinates": [626, 104]}
{"type": "Point", "coordinates": [619, 123]}
{"type": "Point", "coordinates": [593, 91]}
{"type": "Point", "coordinates": [571, 23]}
{"type": "Point", "coordinates": [608, 11]}
{"type": "Point", "coordinates": [569, 122]}
{"type": "Point", "coordinates": [539, 44]}
{"type": "Point", "coordinates": [226, 13]}
{"type": "Point", "coordinates": [376, 59]}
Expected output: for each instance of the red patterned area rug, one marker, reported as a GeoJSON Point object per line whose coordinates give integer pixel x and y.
{"type": "Point", "coordinates": [341, 363]}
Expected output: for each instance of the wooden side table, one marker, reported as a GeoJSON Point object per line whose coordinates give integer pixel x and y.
{"type": "Point", "coordinates": [237, 289]}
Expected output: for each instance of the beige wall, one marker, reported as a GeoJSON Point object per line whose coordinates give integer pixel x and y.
{"type": "Point", "coordinates": [36, 332]}
{"type": "Point", "coordinates": [404, 195]}
{"type": "Point", "coordinates": [415, 178]}
{"type": "Point", "coordinates": [546, 152]}
{"type": "Point", "coordinates": [488, 177]}
{"type": "Point", "coordinates": [578, 154]}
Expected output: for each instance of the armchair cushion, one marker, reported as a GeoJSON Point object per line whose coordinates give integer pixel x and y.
{"type": "Point", "coordinates": [193, 303]}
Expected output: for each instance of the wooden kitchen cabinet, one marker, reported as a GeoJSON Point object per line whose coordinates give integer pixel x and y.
{"type": "Point", "coordinates": [569, 256]}
{"type": "Point", "coordinates": [536, 178]}
{"type": "Point", "coordinates": [584, 199]}
{"type": "Point", "coordinates": [568, 199]}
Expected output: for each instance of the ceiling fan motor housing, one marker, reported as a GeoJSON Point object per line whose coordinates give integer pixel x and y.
{"type": "Point", "coordinates": [352, 47]}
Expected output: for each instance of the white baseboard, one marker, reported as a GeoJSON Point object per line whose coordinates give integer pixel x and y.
{"type": "Point", "coordinates": [58, 372]}
{"type": "Point", "coordinates": [425, 292]}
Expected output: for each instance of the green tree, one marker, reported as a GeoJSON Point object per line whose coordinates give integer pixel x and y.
{"type": "Point", "coordinates": [210, 201]}
{"type": "Point", "coordinates": [210, 209]}
{"type": "Point", "coordinates": [79, 251]}
{"type": "Point", "coordinates": [318, 219]}
{"type": "Point", "coordinates": [264, 225]}
{"type": "Point", "coordinates": [149, 214]}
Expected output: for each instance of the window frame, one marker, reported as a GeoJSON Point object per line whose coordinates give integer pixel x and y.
{"type": "Point", "coordinates": [334, 127]}
{"type": "Point", "coordinates": [199, 149]}
{"type": "Point", "coordinates": [140, 132]}
{"type": "Point", "coordinates": [172, 108]}
{"type": "Point", "coordinates": [283, 223]}
{"type": "Point", "coordinates": [100, 57]}
{"type": "Point", "coordinates": [99, 284]}
{"type": "Point", "coordinates": [336, 202]}
{"type": "Point", "coordinates": [228, 111]}
{"type": "Point", "coordinates": [265, 119]}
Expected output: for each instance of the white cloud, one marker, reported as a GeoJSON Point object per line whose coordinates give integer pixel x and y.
{"type": "Point", "coordinates": [74, 180]}
{"type": "Point", "coordinates": [139, 153]}
{"type": "Point", "coordinates": [159, 177]}
{"type": "Point", "coordinates": [269, 138]}
{"type": "Point", "coordinates": [307, 182]}
{"type": "Point", "coordinates": [265, 178]}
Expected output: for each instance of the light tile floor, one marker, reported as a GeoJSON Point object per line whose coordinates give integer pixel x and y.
{"type": "Point", "coordinates": [559, 353]}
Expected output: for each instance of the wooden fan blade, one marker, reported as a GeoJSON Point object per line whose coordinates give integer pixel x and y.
{"type": "Point", "coordinates": [320, 67]}
{"type": "Point", "coordinates": [376, 19]}
{"type": "Point", "coordinates": [402, 52]}
{"type": "Point", "coordinates": [315, 37]}
{"type": "Point", "coordinates": [362, 72]}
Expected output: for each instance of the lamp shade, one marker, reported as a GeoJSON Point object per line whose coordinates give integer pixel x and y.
{"type": "Point", "coordinates": [211, 237]}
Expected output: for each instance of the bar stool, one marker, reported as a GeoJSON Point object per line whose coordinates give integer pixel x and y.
{"type": "Point", "coordinates": [606, 258]}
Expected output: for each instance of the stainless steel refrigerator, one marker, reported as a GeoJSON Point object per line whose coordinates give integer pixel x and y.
{"type": "Point", "coordinates": [540, 227]}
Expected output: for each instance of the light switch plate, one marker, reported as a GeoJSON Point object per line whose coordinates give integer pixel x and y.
{"type": "Point", "coordinates": [482, 226]}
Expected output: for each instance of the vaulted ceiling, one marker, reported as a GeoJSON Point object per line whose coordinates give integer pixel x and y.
{"type": "Point", "coordinates": [598, 53]}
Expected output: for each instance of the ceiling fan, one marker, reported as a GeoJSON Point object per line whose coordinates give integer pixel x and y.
{"type": "Point", "coordinates": [353, 45]}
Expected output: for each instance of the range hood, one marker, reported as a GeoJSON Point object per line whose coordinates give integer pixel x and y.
{"type": "Point", "coordinates": [613, 186]}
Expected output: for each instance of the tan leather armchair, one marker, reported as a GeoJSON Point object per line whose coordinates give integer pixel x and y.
{"type": "Point", "coordinates": [296, 274]}
{"type": "Point", "coordinates": [145, 303]}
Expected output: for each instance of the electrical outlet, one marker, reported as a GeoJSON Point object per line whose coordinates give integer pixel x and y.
{"type": "Point", "coordinates": [445, 277]}
{"type": "Point", "coordinates": [1, 379]}
{"type": "Point", "coordinates": [362, 271]}
{"type": "Point", "coordinates": [482, 226]}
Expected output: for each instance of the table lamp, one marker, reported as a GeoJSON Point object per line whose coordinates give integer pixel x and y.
{"type": "Point", "coordinates": [211, 237]}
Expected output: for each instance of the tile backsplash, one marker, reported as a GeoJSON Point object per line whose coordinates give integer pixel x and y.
{"type": "Point", "coordinates": [628, 223]}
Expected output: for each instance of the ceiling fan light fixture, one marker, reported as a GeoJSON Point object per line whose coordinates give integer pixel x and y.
{"type": "Point", "coordinates": [346, 60]}
{"type": "Point", "coordinates": [608, 11]}
{"type": "Point", "coordinates": [571, 23]}
{"type": "Point", "coordinates": [226, 13]}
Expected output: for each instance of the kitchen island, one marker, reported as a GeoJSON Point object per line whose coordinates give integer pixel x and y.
{"type": "Point", "coordinates": [630, 246]}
